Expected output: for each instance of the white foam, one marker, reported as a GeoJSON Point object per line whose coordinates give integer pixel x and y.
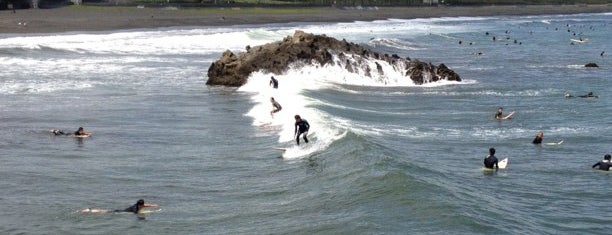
{"type": "Point", "coordinates": [291, 95]}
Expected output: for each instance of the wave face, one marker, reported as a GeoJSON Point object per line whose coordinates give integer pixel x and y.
{"type": "Point", "coordinates": [385, 157]}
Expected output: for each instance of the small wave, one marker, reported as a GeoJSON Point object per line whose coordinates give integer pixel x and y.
{"type": "Point", "coordinates": [23, 87]}
{"type": "Point", "coordinates": [394, 43]}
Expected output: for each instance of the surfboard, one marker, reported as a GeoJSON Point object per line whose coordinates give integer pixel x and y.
{"type": "Point", "coordinates": [503, 163]}
{"type": "Point", "coordinates": [82, 136]}
{"type": "Point", "coordinates": [281, 149]}
{"type": "Point", "coordinates": [580, 41]}
{"type": "Point", "coordinates": [555, 143]}
{"type": "Point", "coordinates": [147, 211]}
{"type": "Point", "coordinates": [509, 116]}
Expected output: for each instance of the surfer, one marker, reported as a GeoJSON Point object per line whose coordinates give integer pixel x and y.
{"type": "Point", "coordinates": [538, 138]}
{"type": "Point", "coordinates": [491, 161]}
{"type": "Point", "coordinates": [275, 106]}
{"type": "Point", "coordinates": [136, 208]}
{"type": "Point", "coordinates": [81, 132]}
{"type": "Point", "coordinates": [273, 82]}
{"type": "Point", "coordinates": [301, 127]}
{"type": "Point", "coordinates": [605, 164]}
{"type": "Point", "coordinates": [500, 113]}
{"type": "Point", "coordinates": [589, 95]}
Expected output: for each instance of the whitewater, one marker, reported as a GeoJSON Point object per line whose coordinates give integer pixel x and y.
{"type": "Point", "coordinates": [385, 156]}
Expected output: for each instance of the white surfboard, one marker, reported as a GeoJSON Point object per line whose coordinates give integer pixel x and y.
{"type": "Point", "coordinates": [509, 116]}
{"type": "Point", "coordinates": [281, 149]}
{"type": "Point", "coordinates": [553, 143]}
{"type": "Point", "coordinates": [503, 163]}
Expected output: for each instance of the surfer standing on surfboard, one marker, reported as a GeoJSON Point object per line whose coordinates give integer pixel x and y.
{"type": "Point", "coordinates": [491, 161]}
{"type": "Point", "coordinates": [273, 82]}
{"type": "Point", "coordinates": [301, 127]}
{"type": "Point", "coordinates": [136, 208]}
{"type": "Point", "coordinates": [275, 106]}
{"type": "Point", "coordinates": [538, 138]}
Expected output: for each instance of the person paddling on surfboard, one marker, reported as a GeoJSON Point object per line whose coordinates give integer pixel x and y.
{"type": "Point", "coordinates": [136, 208]}
{"type": "Point", "coordinates": [275, 106]}
{"type": "Point", "coordinates": [81, 132]}
{"type": "Point", "coordinates": [301, 127]}
{"type": "Point", "coordinates": [605, 164]}
{"type": "Point", "coordinates": [538, 138]}
{"type": "Point", "coordinates": [491, 161]}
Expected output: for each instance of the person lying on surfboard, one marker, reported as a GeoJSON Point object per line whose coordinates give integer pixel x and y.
{"type": "Point", "coordinates": [491, 161]}
{"type": "Point", "coordinates": [605, 164]}
{"type": "Point", "coordinates": [136, 208]}
{"type": "Point", "coordinates": [538, 138]}
{"type": "Point", "coordinates": [79, 133]}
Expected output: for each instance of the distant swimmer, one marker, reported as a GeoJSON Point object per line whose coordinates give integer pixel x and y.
{"type": "Point", "coordinates": [490, 161]}
{"type": "Point", "coordinates": [538, 138]}
{"type": "Point", "coordinates": [589, 95]}
{"type": "Point", "coordinates": [275, 106]}
{"type": "Point", "coordinates": [273, 82]}
{"type": "Point", "coordinates": [602, 53]}
{"type": "Point", "coordinates": [301, 127]}
{"type": "Point", "coordinates": [605, 164]}
{"type": "Point", "coordinates": [136, 208]}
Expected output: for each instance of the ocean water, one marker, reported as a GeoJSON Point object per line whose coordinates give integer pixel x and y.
{"type": "Point", "coordinates": [385, 156]}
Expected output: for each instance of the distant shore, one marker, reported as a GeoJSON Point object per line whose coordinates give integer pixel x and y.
{"type": "Point", "coordinates": [90, 18]}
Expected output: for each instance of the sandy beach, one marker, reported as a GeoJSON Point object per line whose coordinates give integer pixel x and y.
{"type": "Point", "coordinates": [86, 18]}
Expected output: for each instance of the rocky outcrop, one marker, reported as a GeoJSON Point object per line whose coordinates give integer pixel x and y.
{"type": "Point", "coordinates": [276, 57]}
{"type": "Point", "coordinates": [591, 65]}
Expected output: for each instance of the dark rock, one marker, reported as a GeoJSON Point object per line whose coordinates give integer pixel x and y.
{"type": "Point", "coordinates": [234, 70]}
{"type": "Point", "coordinates": [591, 65]}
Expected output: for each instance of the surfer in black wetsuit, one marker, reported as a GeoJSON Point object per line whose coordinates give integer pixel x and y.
{"type": "Point", "coordinates": [273, 82]}
{"type": "Point", "coordinates": [500, 113]}
{"type": "Point", "coordinates": [538, 138]}
{"type": "Point", "coordinates": [605, 164]}
{"type": "Point", "coordinates": [301, 127]}
{"type": "Point", "coordinates": [133, 209]}
{"type": "Point", "coordinates": [275, 106]}
{"type": "Point", "coordinates": [589, 95]}
{"type": "Point", "coordinates": [491, 161]}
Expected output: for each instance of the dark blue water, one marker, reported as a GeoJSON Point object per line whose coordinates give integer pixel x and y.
{"type": "Point", "coordinates": [390, 159]}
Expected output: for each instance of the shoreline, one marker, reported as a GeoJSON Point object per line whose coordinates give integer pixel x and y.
{"type": "Point", "coordinates": [93, 19]}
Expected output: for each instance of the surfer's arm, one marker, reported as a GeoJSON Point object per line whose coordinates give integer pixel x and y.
{"type": "Point", "coordinates": [150, 205]}
{"type": "Point", "coordinates": [596, 164]}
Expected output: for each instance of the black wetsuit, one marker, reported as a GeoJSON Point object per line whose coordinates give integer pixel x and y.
{"type": "Point", "coordinates": [603, 165]}
{"type": "Point", "coordinates": [537, 140]}
{"type": "Point", "coordinates": [499, 115]}
{"type": "Point", "coordinates": [277, 107]}
{"type": "Point", "coordinates": [301, 127]}
{"type": "Point", "coordinates": [274, 82]}
{"type": "Point", "coordinates": [490, 162]}
{"type": "Point", "coordinates": [133, 209]}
